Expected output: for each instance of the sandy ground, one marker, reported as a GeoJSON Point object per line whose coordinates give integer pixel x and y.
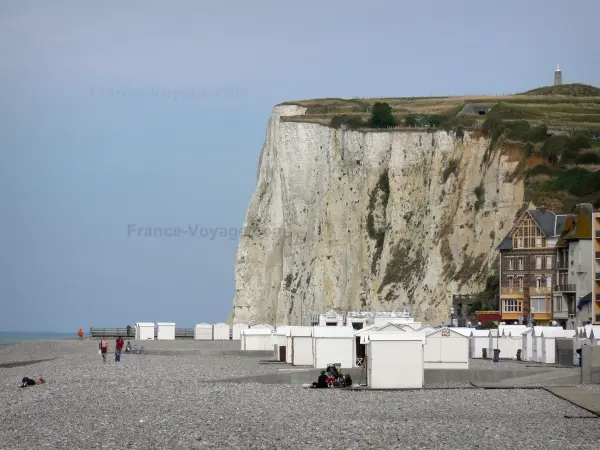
{"type": "Point", "coordinates": [170, 402]}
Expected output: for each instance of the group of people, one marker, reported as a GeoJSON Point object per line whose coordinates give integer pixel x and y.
{"type": "Point", "coordinates": [119, 344]}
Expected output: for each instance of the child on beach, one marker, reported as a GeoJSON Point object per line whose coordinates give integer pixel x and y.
{"type": "Point", "coordinates": [30, 382]}
{"type": "Point", "coordinates": [103, 348]}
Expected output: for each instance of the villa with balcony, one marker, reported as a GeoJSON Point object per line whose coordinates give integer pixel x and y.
{"type": "Point", "coordinates": [528, 267]}
{"type": "Point", "coordinates": [572, 306]}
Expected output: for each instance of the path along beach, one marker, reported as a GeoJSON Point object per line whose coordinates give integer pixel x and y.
{"type": "Point", "coordinates": [174, 402]}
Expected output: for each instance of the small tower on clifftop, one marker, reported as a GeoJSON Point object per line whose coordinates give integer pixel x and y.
{"type": "Point", "coordinates": [557, 76]}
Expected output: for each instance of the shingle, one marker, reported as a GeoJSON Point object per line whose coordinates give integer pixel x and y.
{"type": "Point", "coordinates": [506, 244]}
{"type": "Point", "coordinates": [545, 219]}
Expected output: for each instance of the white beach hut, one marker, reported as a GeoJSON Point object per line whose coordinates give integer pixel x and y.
{"type": "Point", "coordinates": [144, 331]}
{"type": "Point", "coordinates": [262, 325]}
{"type": "Point", "coordinates": [513, 329]}
{"type": "Point", "coordinates": [203, 332]}
{"type": "Point", "coordinates": [547, 354]}
{"type": "Point", "coordinates": [333, 345]}
{"type": "Point", "coordinates": [395, 360]}
{"type": "Point", "coordinates": [508, 343]}
{"type": "Point", "coordinates": [480, 340]}
{"type": "Point", "coordinates": [166, 331]}
{"type": "Point", "coordinates": [301, 345]}
{"type": "Point", "coordinates": [257, 339]}
{"type": "Point", "coordinates": [446, 349]}
{"type": "Point", "coordinates": [221, 331]}
{"type": "Point", "coordinates": [236, 330]}
{"type": "Point", "coordinates": [426, 330]}
{"type": "Point", "coordinates": [280, 343]}
{"type": "Point", "coordinates": [528, 343]}
{"type": "Point", "coordinates": [592, 334]}
{"type": "Point", "coordinates": [384, 320]}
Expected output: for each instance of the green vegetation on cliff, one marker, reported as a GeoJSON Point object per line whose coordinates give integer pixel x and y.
{"type": "Point", "coordinates": [553, 131]}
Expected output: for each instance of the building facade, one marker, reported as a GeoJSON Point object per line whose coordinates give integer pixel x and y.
{"type": "Point", "coordinates": [595, 300]}
{"type": "Point", "coordinates": [528, 267]}
{"type": "Point", "coordinates": [572, 306]}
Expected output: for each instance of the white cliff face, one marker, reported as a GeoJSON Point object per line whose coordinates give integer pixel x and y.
{"type": "Point", "coordinates": [367, 221]}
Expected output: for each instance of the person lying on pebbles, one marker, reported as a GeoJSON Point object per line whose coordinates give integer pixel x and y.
{"type": "Point", "coordinates": [30, 382]}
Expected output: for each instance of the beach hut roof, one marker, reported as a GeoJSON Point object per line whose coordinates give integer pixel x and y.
{"type": "Point", "coordinates": [481, 333]}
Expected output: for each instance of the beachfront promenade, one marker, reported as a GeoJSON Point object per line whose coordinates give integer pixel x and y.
{"type": "Point", "coordinates": [208, 394]}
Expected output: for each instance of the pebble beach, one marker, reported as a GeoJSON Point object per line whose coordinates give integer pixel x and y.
{"type": "Point", "coordinates": [175, 402]}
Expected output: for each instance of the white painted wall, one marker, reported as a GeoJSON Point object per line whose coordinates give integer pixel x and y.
{"type": "Point", "coordinates": [394, 363]}
{"type": "Point", "coordinates": [166, 331]}
{"type": "Point", "coordinates": [328, 350]}
{"type": "Point", "coordinates": [221, 332]}
{"type": "Point", "coordinates": [144, 331]}
{"type": "Point", "coordinates": [203, 332]}
{"type": "Point", "coordinates": [446, 352]}
{"type": "Point", "coordinates": [236, 330]}
{"type": "Point", "coordinates": [302, 351]}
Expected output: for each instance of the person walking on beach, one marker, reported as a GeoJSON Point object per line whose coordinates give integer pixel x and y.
{"type": "Point", "coordinates": [118, 347]}
{"type": "Point", "coordinates": [103, 348]}
{"type": "Point", "coordinates": [80, 334]}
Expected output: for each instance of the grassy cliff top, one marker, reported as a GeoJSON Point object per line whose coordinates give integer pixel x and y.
{"type": "Point", "coordinates": [567, 107]}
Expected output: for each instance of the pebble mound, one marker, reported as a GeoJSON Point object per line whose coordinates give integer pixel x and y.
{"type": "Point", "coordinates": [153, 401]}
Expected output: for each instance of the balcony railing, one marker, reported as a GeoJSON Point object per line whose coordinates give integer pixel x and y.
{"type": "Point", "coordinates": [562, 265]}
{"type": "Point", "coordinates": [542, 290]}
{"type": "Point", "coordinates": [564, 288]}
{"type": "Point", "coordinates": [512, 290]}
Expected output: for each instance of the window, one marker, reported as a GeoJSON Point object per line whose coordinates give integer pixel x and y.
{"type": "Point", "coordinates": [538, 281]}
{"type": "Point", "coordinates": [549, 262]}
{"type": "Point", "coordinates": [511, 281]}
{"type": "Point", "coordinates": [538, 262]}
{"type": "Point", "coordinates": [528, 235]}
{"type": "Point", "coordinates": [520, 281]}
{"type": "Point", "coordinates": [510, 263]}
{"type": "Point", "coordinates": [549, 282]}
{"type": "Point", "coordinates": [558, 304]}
{"type": "Point", "coordinates": [520, 263]}
{"type": "Point", "coordinates": [538, 305]}
{"type": "Point", "coordinates": [511, 305]}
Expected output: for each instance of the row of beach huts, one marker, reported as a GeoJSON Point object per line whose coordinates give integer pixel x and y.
{"type": "Point", "coordinates": [387, 348]}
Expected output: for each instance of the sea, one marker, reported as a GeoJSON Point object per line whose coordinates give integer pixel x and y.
{"type": "Point", "coordinates": [12, 337]}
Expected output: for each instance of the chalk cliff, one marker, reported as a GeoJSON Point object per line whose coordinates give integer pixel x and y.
{"type": "Point", "coordinates": [369, 220]}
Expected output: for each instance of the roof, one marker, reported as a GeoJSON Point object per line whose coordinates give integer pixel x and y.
{"type": "Point", "coordinates": [396, 337]}
{"type": "Point", "coordinates": [257, 332]}
{"type": "Point", "coordinates": [333, 332]}
{"type": "Point", "coordinates": [552, 332]}
{"type": "Point", "coordinates": [578, 225]}
{"type": "Point", "coordinates": [452, 331]}
{"type": "Point", "coordinates": [549, 223]}
{"type": "Point", "coordinates": [481, 333]}
{"type": "Point", "coordinates": [389, 328]}
{"type": "Point", "coordinates": [299, 331]}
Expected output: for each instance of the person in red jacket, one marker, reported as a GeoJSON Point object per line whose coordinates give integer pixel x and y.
{"type": "Point", "coordinates": [118, 347]}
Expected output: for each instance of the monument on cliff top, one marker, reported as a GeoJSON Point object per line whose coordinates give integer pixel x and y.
{"type": "Point", "coordinates": [557, 76]}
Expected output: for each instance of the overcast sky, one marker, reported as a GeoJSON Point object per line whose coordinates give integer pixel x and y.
{"type": "Point", "coordinates": [120, 115]}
